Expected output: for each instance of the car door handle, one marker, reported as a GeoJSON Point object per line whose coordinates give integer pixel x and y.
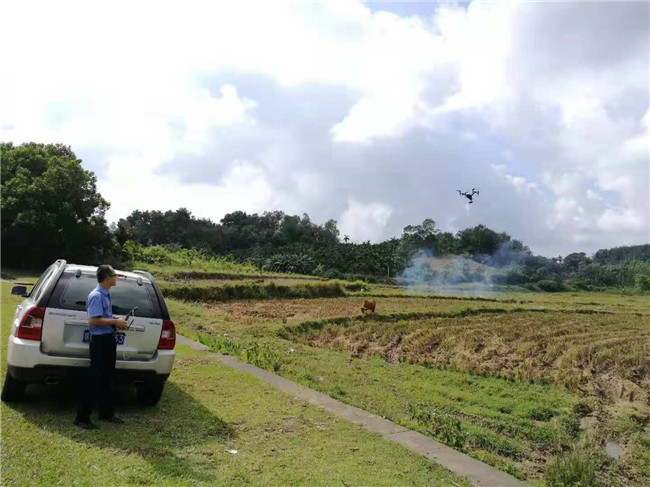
{"type": "Point", "coordinates": [136, 328]}
{"type": "Point", "coordinates": [76, 322]}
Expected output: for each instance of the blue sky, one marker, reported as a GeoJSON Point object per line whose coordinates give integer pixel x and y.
{"type": "Point", "coordinates": [372, 114]}
{"type": "Point", "coordinates": [424, 9]}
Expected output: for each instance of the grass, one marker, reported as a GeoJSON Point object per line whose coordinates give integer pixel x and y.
{"type": "Point", "coordinates": [173, 273]}
{"type": "Point", "coordinates": [489, 409]}
{"type": "Point", "coordinates": [575, 469]}
{"type": "Point", "coordinates": [206, 409]}
{"type": "Point", "coordinates": [251, 290]}
{"type": "Point", "coordinates": [165, 263]}
{"type": "Point", "coordinates": [486, 376]}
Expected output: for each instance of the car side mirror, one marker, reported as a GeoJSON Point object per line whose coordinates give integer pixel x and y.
{"type": "Point", "coordinates": [19, 291]}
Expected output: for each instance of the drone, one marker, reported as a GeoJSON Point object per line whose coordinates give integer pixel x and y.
{"type": "Point", "coordinates": [469, 196]}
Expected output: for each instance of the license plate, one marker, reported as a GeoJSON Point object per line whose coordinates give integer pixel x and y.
{"type": "Point", "coordinates": [119, 337]}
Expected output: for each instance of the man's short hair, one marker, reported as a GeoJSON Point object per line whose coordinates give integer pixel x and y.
{"type": "Point", "coordinates": [103, 272]}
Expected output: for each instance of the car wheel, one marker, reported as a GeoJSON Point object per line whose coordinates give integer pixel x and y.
{"type": "Point", "coordinates": [149, 393]}
{"type": "Point", "coordinates": [13, 390]}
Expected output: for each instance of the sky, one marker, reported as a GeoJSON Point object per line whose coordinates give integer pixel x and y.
{"type": "Point", "coordinates": [372, 114]}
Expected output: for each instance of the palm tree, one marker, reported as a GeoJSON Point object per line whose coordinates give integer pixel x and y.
{"type": "Point", "coordinates": [346, 238]}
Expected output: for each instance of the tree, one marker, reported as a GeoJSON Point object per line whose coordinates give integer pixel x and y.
{"type": "Point", "coordinates": [481, 240]}
{"type": "Point", "coordinates": [573, 261]}
{"type": "Point", "coordinates": [50, 207]}
{"type": "Point", "coordinates": [447, 243]}
{"type": "Point", "coordinates": [422, 236]}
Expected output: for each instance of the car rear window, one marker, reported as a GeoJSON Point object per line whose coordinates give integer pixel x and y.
{"type": "Point", "coordinates": [71, 293]}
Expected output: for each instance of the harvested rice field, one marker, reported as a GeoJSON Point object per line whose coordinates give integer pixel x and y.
{"type": "Point", "coordinates": [529, 382]}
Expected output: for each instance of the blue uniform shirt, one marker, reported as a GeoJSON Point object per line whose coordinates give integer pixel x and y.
{"type": "Point", "coordinates": [98, 304]}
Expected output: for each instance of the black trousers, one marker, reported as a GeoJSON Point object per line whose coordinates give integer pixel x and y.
{"type": "Point", "coordinates": [99, 389]}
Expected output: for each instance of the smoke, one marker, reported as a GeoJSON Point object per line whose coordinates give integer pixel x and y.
{"type": "Point", "coordinates": [504, 255]}
{"type": "Point", "coordinates": [483, 275]}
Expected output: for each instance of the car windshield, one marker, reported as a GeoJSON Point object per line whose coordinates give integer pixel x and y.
{"type": "Point", "coordinates": [125, 296]}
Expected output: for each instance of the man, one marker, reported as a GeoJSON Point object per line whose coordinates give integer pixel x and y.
{"type": "Point", "coordinates": [100, 384]}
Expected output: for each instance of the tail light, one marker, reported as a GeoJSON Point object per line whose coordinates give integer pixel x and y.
{"type": "Point", "coordinates": [32, 324]}
{"type": "Point", "coordinates": [168, 336]}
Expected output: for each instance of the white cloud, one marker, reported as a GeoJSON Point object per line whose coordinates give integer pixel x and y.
{"type": "Point", "coordinates": [623, 220]}
{"type": "Point", "coordinates": [334, 105]}
{"type": "Point", "coordinates": [523, 187]}
{"type": "Point", "coordinates": [244, 188]}
{"type": "Point", "coordinates": [205, 113]}
{"type": "Point", "coordinates": [365, 221]}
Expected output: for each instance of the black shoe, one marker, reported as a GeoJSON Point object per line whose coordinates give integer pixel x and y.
{"type": "Point", "coordinates": [87, 425]}
{"type": "Point", "coordinates": [112, 419]}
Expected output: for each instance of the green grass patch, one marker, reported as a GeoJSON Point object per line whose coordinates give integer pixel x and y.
{"type": "Point", "coordinates": [174, 274]}
{"type": "Point", "coordinates": [228, 292]}
{"type": "Point", "coordinates": [469, 412]}
{"type": "Point", "coordinates": [576, 469]}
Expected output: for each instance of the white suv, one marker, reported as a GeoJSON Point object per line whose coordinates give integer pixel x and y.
{"type": "Point", "coordinates": [49, 334]}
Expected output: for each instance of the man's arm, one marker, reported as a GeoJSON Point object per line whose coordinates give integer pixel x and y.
{"type": "Point", "coordinates": [95, 311]}
{"type": "Point", "coordinates": [99, 321]}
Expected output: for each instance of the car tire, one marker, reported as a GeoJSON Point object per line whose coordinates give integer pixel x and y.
{"type": "Point", "coordinates": [149, 393]}
{"type": "Point", "coordinates": [13, 390]}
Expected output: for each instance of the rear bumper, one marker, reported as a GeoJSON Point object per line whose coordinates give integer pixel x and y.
{"type": "Point", "coordinates": [26, 362]}
{"type": "Point", "coordinates": [45, 373]}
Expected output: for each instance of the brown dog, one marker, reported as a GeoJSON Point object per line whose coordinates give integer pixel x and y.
{"type": "Point", "coordinates": [368, 306]}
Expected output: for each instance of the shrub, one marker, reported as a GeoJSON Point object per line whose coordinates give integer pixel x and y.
{"type": "Point", "coordinates": [641, 283]}
{"type": "Point", "coordinates": [500, 279]}
{"type": "Point", "coordinates": [440, 424]}
{"type": "Point", "coordinates": [357, 285]}
{"type": "Point", "coordinates": [581, 285]}
{"type": "Point", "coordinates": [515, 277]}
{"type": "Point", "coordinates": [333, 274]}
{"type": "Point", "coordinates": [582, 409]}
{"type": "Point", "coordinates": [292, 263]}
{"type": "Point", "coordinates": [573, 470]}
{"type": "Point", "coordinates": [550, 286]}
{"type": "Point", "coordinates": [540, 413]}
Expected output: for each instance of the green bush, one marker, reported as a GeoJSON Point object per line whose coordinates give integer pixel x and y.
{"type": "Point", "coordinates": [582, 409]}
{"type": "Point", "coordinates": [573, 470]}
{"type": "Point", "coordinates": [641, 283]}
{"type": "Point", "coordinates": [540, 413]}
{"type": "Point", "coordinates": [581, 285]}
{"type": "Point", "coordinates": [292, 263]}
{"type": "Point", "coordinates": [441, 424]}
{"type": "Point", "coordinates": [550, 286]}
{"type": "Point", "coordinates": [356, 286]}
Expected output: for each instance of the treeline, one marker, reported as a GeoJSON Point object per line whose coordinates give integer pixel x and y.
{"type": "Point", "coordinates": [279, 242]}
{"type": "Point", "coordinates": [51, 209]}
